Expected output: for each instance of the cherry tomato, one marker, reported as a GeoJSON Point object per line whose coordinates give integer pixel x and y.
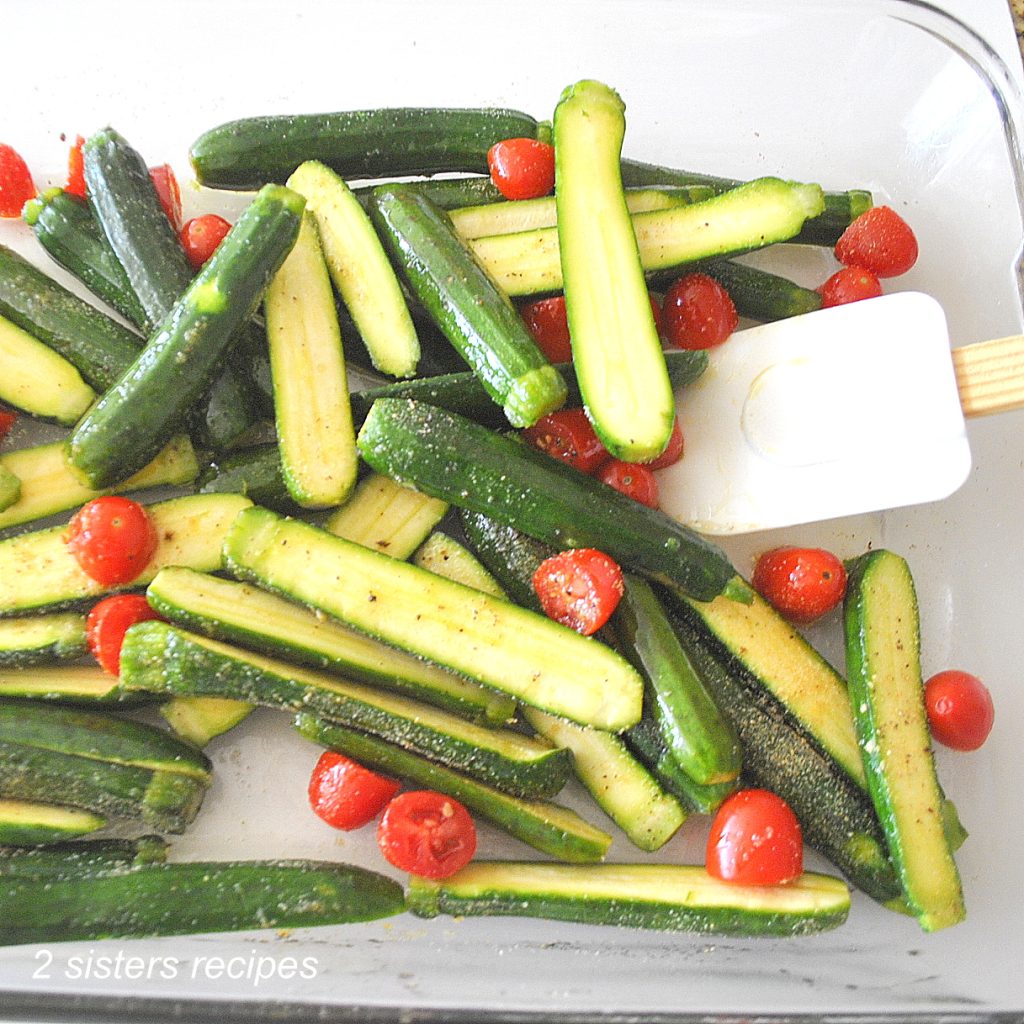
{"type": "Point", "coordinates": [673, 450]}
{"type": "Point", "coordinates": [697, 313]}
{"type": "Point", "coordinates": [76, 169]}
{"type": "Point", "coordinates": [546, 321]}
{"type": "Point", "coordinates": [107, 624]}
{"type": "Point", "coordinates": [112, 539]}
{"type": "Point", "coordinates": [568, 435]}
{"type": "Point", "coordinates": [427, 834]}
{"type": "Point", "coordinates": [879, 240]}
{"type": "Point", "coordinates": [7, 420]}
{"type": "Point", "coordinates": [801, 583]}
{"type": "Point", "coordinates": [166, 185]}
{"type": "Point", "coordinates": [16, 185]}
{"type": "Point", "coordinates": [755, 840]}
{"type": "Point", "coordinates": [522, 168]}
{"type": "Point", "coordinates": [201, 236]}
{"type": "Point", "coordinates": [580, 588]}
{"type": "Point", "coordinates": [851, 284]}
{"type": "Point", "coordinates": [634, 479]}
{"type": "Point", "coordinates": [960, 709]}
{"type": "Point", "coordinates": [345, 794]}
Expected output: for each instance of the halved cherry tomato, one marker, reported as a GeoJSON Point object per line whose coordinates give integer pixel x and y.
{"type": "Point", "coordinates": [16, 185]}
{"type": "Point", "coordinates": [697, 313]}
{"type": "Point", "coordinates": [427, 834]}
{"type": "Point", "coordinates": [107, 624]}
{"type": "Point", "coordinates": [960, 709]}
{"type": "Point", "coordinates": [673, 450]}
{"type": "Point", "coordinates": [166, 185]}
{"type": "Point", "coordinates": [112, 539]}
{"type": "Point", "coordinates": [879, 240]}
{"type": "Point", "coordinates": [567, 435]}
{"type": "Point", "coordinates": [755, 840]}
{"type": "Point", "coordinates": [546, 321]}
{"type": "Point", "coordinates": [634, 479]}
{"type": "Point", "coordinates": [522, 168]}
{"type": "Point", "coordinates": [7, 420]}
{"type": "Point", "coordinates": [801, 583]}
{"type": "Point", "coordinates": [851, 284]}
{"type": "Point", "coordinates": [345, 794]}
{"type": "Point", "coordinates": [200, 237]}
{"type": "Point", "coordinates": [76, 169]}
{"type": "Point", "coordinates": [580, 588]}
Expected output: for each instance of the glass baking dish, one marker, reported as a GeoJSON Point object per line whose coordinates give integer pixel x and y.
{"type": "Point", "coordinates": [890, 95]}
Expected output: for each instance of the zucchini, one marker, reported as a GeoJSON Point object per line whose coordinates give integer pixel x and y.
{"type": "Point", "coordinates": [38, 380]}
{"type": "Point", "coordinates": [78, 860]}
{"type": "Point", "coordinates": [360, 270]}
{"type": "Point", "coordinates": [752, 216]}
{"type": "Point", "coordinates": [48, 484]}
{"type": "Point", "coordinates": [615, 342]}
{"type": "Point", "coordinates": [445, 556]}
{"type": "Point", "coordinates": [23, 823]}
{"type": "Point", "coordinates": [759, 295]}
{"type": "Point", "coordinates": [37, 572]}
{"type": "Point", "coordinates": [669, 897]}
{"type": "Point", "coordinates": [500, 645]}
{"type": "Point", "coordinates": [132, 421]}
{"type": "Point", "coordinates": [479, 321]}
{"type": "Point", "coordinates": [41, 639]}
{"type": "Point", "coordinates": [447, 193]}
{"type": "Point", "coordinates": [10, 488]}
{"type": "Point", "coordinates": [61, 684]}
{"type": "Point", "coordinates": [449, 457]}
{"type": "Point", "coordinates": [158, 658]}
{"type": "Point", "coordinates": [550, 828]}
{"type": "Point", "coordinates": [240, 614]}
{"type": "Point", "coordinates": [887, 695]}
{"type": "Point", "coordinates": [311, 403]}
{"type": "Point", "coordinates": [381, 143]}
{"type": "Point", "coordinates": [197, 720]}
{"type": "Point", "coordinates": [176, 899]}
{"type": "Point", "coordinates": [254, 472]}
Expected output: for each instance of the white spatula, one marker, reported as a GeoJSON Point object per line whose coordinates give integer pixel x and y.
{"type": "Point", "coordinates": [846, 410]}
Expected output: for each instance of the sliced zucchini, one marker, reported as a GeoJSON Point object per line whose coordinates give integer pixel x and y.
{"type": "Point", "coordinates": [41, 639]}
{"type": "Point", "coordinates": [79, 860]}
{"type": "Point", "coordinates": [201, 719]}
{"type": "Point", "coordinates": [10, 488]}
{"type": "Point", "coordinates": [254, 472]}
{"type": "Point", "coordinates": [23, 823]}
{"type": "Point", "coordinates": [62, 684]}
{"type": "Point", "coordinates": [446, 557]}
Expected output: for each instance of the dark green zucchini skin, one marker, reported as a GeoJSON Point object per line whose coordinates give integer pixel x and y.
{"type": "Point", "coordinates": [760, 295]}
{"type": "Point", "coordinates": [449, 457]}
{"type": "Point", "coordinates": [509, 555]}
{"type": "Point", "coordinates": [380, 143]}
{"type": "Point", "coordinates": [255, 472]}
{"type": "Point", "coordinates": [188, 898]}
{"type": "Point", "coordinates": [79, 860]}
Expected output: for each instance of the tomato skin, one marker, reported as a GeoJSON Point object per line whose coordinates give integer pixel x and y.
{"type": "Point", "coordinates": [960, 709]}
{"type": "Point", "coordinates": [567, 435]}
{"type": "Point", "coordinates": [546, 320]}
{"type": "Point", "coordinates": [427, 834]}
{"type": "Point", "coordinates": [345, 794]}
{"type": "Point", "coordinates": [755, 840]}
{"type": "Point", "coordinates": [673, 450]}
{"type": "Point", "coordinates": [7, 420]}
{"type": "Point", "coordinates": [580, 588]}
{"type": "Point", "coordinates": [634, 479]}
{"type": "Point", "coordinates": [107, 623]}
{"type": "Point", "coordinates": [16, 185]}
{"type": "Point", "coordinates": [200, 237]}
{"type": "Point", "coordinates": [879, 240]}
{"type": "Point", "coordinates": [522, 168]}
{"type": "Point", "coordinates": [697, 313]}
{"type": "Point", "coordinates": [802, 584]}
{"type": "Point", "coordinates": [75, 184]}
{"type": "Point", "coordinates": [112, 539]}
{"type": "Point", "coordinates": [851, 284]}
{"type": "Point", "coordinates": [166, 185]}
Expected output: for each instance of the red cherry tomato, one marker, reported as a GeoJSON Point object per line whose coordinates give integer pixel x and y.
{"type": "Point", "coordinates": [107, 624]}
{"type": "Point", "coordinates": [16, 185]}
{"type": "Point", "coordinates": [697, 313]}
{"type": "Point", "coordinates": [166, 185]}
{"type": "Point", "coordinates": [802, 584]}
{"type": "Point", "coordinates": [201, 236]}
{"type": "Point", "coordinates": [112, 539]}
{"type": "Point", "coordinates": [755, 840]}
{"type": "Point", "coordinates": [960, 709]}
{"type": "Point", "coordinates": [76, 169]}
{"type": "Point", "coordinates": [7, 420]}
{"type": "Point", "coordinates": [634, 479]}
{"type": "Point", "coordinates": [568, 435]}
{"type": "Point", "coordinates": [673, 450]}
{"type": "Point", "coordinates": [345, 794]}
{"type": "Point", "coordinates": [546, 321]}
{"type": "Point", "coordinates": [879, 240]}
{"type": "Point", "coordinates": [522, 168]}
{"type": "Point", "coordinates": [580, 588]}
{"type": "Point", "coordinates": [851, 284]}
{"type": "Point", "coordinates": [427, 834]}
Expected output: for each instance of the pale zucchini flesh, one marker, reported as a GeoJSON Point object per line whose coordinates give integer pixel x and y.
{"type": "Point", "coordinates": [10, 488]}
{"type": "Point", "coordinates": [201, 719]}
{"type": "Point", "coordinates": [69, 684]}
{"type": "Point", "coordinates": [445, 556]}
{"type": "Point", "coordinates": [26, 823]}
{"type": "Point", "coordinates": [36, 639]}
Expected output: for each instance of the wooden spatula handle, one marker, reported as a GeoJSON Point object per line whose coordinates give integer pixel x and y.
{"type": "Point", "coordinates": [990, 375]}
